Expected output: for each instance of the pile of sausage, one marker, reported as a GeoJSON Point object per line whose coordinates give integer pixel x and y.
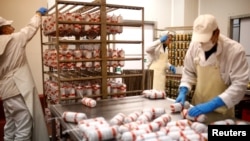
{"type": "Point", "coordinates": [75, 28]}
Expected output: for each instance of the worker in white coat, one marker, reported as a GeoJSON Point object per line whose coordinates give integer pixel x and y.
{"type": "Point", "coordinates": [23, 111]}
{"type": "Point", "coordinates": [217, 66]}
{"type": "Point", "coordinates": [157, 60]}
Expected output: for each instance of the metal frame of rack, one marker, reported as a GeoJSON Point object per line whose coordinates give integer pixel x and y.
{"type": "Point", "coordinates": [103, 8]}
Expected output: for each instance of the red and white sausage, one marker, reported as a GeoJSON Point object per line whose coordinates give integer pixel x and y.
{"type": "Point", "coordinates": [73, 117]}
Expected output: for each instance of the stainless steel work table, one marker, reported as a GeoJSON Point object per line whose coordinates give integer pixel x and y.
{"type": "Point", "coordinates": [108, 108]}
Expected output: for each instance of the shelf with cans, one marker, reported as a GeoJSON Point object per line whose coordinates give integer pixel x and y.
{"type": "Point", "coordinates": [172, 86]}
{"type": "Point", "coordinates": [176, 54]}
{"type": "Point", "coordinates": [178, 48]}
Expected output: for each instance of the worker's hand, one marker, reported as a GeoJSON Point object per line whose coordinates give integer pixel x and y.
{"type": "Point", "coordinates": [42, 10]}
{"type": "Point", "coordinates": [182, 95]}
{"type": "Point", "coordinates": [207, 107]}
{"type": "Point", "coordinates": [164, 38]}
{"type": "Point", "coordinates": [172, 69]}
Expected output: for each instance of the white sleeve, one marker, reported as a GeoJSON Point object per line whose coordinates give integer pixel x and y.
{"type": "Point", "coordinates": [27, 32]}
{"type": "Point", "coordinates": [237, 70]}
{"type": "Point", "coordinates": [151, 48]}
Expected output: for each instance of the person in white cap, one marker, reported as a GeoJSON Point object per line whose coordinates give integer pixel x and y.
{"type": "Point", "coordinates": [157, 60]}
{"type": "Point", "coordinates": [24, 117]}
{"type": "Point", "coordinates": [217, 66]}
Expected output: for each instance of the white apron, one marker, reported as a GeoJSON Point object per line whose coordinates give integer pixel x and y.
{"type": "Point", "coordinates": [209, 85]}
{"type": "Point", "coordinates": [159, 67]}
{"type": "Point", "coordinates": [26, 86]}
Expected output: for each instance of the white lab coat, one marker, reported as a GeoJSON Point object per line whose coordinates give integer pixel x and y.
{"type": "Point", "coordinates": [233, 65]}
{"type": "Point", "coordinates": [153, 52]}
{"type": "Point", "coordinates": [14, 69]}
{"type": "Point", "coordinates": [158, 61]}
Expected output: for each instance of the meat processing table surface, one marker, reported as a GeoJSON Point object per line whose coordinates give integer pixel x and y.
{"type": "Point", "coordinates": [108, 108]}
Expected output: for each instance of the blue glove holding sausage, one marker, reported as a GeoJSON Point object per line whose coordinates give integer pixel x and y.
{"type": "Point", "coordinates": [164, 38]}
{"type": "Point", "coordinates": [42, 10]}
{"type": "Point", "coordinates": [207, 107]}
{"type": "Point", "coordinates": [182, 95]}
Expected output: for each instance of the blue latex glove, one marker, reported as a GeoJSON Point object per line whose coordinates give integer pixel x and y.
{"type": "Point", "coordinates": [182, 95]}
{"type": "Point", "coordinates": [172, 69]}
{"type": "Point", "coordinates": [207, 107]}
{"type": "Point", "coordinates": [164, 38]}
{"type": "Point", "coordinates": [42, 10]}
